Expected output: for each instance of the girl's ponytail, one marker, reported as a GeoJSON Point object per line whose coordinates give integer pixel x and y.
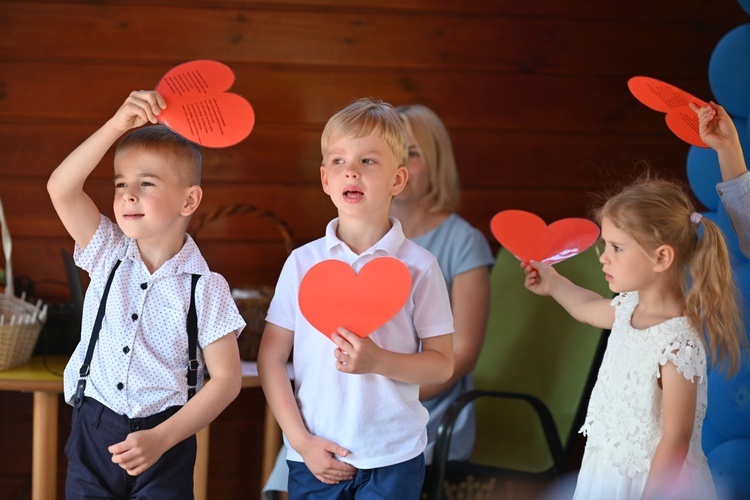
{"type": "Point", "coordinates": [711, 298]}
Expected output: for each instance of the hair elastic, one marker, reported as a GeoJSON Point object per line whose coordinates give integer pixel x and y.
{"type": "Point", "coordinates": [695, 217]}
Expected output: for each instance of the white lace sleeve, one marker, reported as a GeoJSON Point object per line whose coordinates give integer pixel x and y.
{"type": "Point", "coordinates": [688, 355]}
{"type": "Point", "coordinates": [624, 304]}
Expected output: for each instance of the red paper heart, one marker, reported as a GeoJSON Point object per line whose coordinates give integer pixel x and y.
{"type": "Point", "coordinates": [526, 236]}
{"type": "Point", "coordinates": [200, 109]}
{"type": "Point", "coordinates": [661, 96]}
{"type": "Point", "coordinates": [332, 295]}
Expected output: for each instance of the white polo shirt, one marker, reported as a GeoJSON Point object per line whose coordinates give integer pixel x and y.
{"type": "Point", "coordinates": [379, 420]}
{"type": "Point", "coordinates": [139, 366]}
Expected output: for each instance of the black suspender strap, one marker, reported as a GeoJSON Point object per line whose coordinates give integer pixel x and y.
{"type": "Point", "coordinates": [85, 367]}
{"type": "Point", "coordinates": [192, 331]}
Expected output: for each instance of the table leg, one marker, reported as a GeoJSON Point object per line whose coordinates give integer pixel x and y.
{"type": "Point", "coordinates": [271, 443]}
{"type": "Point", "coordinates": [200, 475]}
{"type": "Point", "coordinates": [44, 446]}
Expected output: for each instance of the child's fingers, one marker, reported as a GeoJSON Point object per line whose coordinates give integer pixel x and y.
{"type": "Point", "coordinates": [155, 103]}
{"type": "Point", "coordinates": [705, 113]}
{"type": "Point", "coordinates": [118, 448]}
{"type": "Point", "coordinates": [697, 107]}
{"type": "Point", "coordinates": [341, 339]}
{"type": "Point", "coordinates": [146, 104]}
{"type": "Point", "coordinates": [347, 338]}
{"type": "Point", "coordinates": [160, 101]}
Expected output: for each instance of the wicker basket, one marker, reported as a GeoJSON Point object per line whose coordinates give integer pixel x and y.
{"type": "Point", "coordinates": [20, 321]}
{"type": "Point", "coordinates": [253, 305]}
{"type": "Point", "coordinates": [252, 302]}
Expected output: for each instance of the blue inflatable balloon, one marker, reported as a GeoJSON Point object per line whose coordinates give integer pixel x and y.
{"type": "Point", "coordinates": [742, 279]}
{"type": "Point", "coordinates": [703, 174]}
{"type": "Point", "coordinates": [729, 404]}
{"type": "Point", "coordinates": [721, 219]}
{"type": "Point", "coordinates": [729, 467]}
{"type": "Point", "coordinates": [729, 71]}
{"type": "Point", "coordinates": [710, 437]}
{"type": "Point", "coordinates": [726, 428]}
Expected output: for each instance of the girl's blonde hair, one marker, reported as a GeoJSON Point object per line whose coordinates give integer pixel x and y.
{"type": "Point", "coordinates": [432, 138]}
{"type": "Point", "coordinates": [366, 117]}
{"type": "Point", "coordinates": [657, 212]}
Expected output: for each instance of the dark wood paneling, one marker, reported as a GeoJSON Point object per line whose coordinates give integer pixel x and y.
{"type": "Point", "coordinates": [306, 95]}
{"type": "Point", "coordinates": [695, 13]}
{"type": "Point", "coordinates": [415, 39]}
{"type": "Point", "coordinates": [533, 93]}
{"type": "Point", "coordinates": [290, 155]}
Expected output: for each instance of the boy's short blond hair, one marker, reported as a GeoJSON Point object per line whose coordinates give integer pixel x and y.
{"type": "Point", "coordinates": [161, 139]}
{"type": "Point", "coordinates": [368, 117]}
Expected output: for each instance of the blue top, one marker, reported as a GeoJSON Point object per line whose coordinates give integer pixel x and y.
{"type": "Point", "coordinates": [459, 247]}
{"type": "Point", "coordinates": [735, 195]}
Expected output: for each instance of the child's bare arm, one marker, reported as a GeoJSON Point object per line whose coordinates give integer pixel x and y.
{"type": "Point", "coordinates": [76, 210]}
{"type": "Point", "coordinates": [717, 129]}
{"type": "Point", "coordinates": [678, 414]}
{"type": "Point", "coordinates": [318, 453]}
{"type": "Point", "coordinates": [142, 449]}
{"type": "Point", "coordinates": [432, 365]}
{"type": "Point", "coordinates": [584, 305]}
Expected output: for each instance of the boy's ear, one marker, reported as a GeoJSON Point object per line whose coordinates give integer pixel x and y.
{"type": "Point", "coordinates": [324, 180]}
{"type": "Point", "coordinates": [192, 200]}
{"type": "Point", "coordinates": [664, 258]}
{"type": "Point", "coordinates": [400, 180]}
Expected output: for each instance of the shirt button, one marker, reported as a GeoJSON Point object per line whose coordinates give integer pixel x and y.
{"type": "Point", "coordinates": [126, 349]}
{"type": "Point", "coordinates": [120, 386]}
{"type": "Point", "coordinates": [134, 316]}
{"type": "Point", "coordinates": [144, 286]}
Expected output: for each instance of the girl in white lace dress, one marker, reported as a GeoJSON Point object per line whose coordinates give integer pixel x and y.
{"type": "Point", "coordinates": [646, 410]}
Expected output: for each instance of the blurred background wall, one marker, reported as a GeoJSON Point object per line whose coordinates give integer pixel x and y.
{"type": "Point", "coordinates": [534, 94]}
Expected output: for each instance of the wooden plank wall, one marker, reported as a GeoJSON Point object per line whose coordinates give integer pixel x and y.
{"type": "Point", "coordinates": [534, 95]}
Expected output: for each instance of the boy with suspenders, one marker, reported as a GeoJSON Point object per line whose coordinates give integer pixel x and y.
{"type": "Point", "coordinates": [154, 314]}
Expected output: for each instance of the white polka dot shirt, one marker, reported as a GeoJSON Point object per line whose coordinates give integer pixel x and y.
{"type": "Point", "coordinates": [139, 366]}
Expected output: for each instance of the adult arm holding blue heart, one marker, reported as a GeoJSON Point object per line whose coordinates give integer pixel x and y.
{"type": "Point", "coordinates": [718, 131]}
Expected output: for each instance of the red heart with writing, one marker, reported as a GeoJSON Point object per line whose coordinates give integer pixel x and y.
{"type": "Point", "coordinates": [661, 96]}
{"type": "Point", "coordinates": [200, 109]}
{"type": "Point", "coordinates": [526, 236]}
{"type": "Point", "coordinates": [332, 295]}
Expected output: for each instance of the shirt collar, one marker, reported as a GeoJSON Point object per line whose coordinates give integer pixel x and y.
{"type": "Point", "coordinates": [388, 244]}
{"type": "Point", "coordinates": [188, 260]}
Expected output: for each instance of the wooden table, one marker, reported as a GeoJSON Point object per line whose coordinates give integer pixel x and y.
{"type": "Point", "coordinates": [46, 386]}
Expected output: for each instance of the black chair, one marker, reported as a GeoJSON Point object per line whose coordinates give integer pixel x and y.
{"type": "Point", "coordinates": [532, 380]}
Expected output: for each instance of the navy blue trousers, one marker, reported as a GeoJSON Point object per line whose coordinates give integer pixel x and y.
{"type": "Point", "coordinates": [400, 481]}
{"type": "Point", "coordinates": [93, 475]}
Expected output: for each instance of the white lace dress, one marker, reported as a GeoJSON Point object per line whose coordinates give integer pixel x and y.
{"type": "Point", "coordinates": [624, 422]}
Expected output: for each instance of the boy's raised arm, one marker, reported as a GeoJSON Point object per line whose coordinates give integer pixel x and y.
{"type": "Point", "coordinates": [76, 210]}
